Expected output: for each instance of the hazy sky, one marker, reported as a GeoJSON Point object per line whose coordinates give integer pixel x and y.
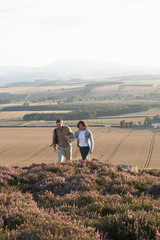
{"type": "Point", "coordinates": [40, 32]}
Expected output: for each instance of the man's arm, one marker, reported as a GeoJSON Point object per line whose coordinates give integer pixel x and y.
{"type": "Point", "coordinates": [70, 133]}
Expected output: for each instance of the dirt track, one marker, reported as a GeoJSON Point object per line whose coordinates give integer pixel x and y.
{"type": "Point", "coordinates": [24, 146]}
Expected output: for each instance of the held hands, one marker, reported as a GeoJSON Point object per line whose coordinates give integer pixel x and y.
{"type": "Point", "coordinates": [90, 151]}
{"type": "Point", "coordinates": [67, 138]}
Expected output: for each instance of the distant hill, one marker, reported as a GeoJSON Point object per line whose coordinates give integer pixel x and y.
{"type": "Point", "coordinates": [41, 83]}
{"type": "Point", "coordinates": [69, 69]}
{"type": "Point", "coordinates": [44, 82]}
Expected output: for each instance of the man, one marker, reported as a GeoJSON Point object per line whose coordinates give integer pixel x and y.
{"type": "Point", "coordinates": [64, 146]}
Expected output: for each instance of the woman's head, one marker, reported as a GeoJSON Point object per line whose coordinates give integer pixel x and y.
{"type": "Point", "coordinates": [82, 125]}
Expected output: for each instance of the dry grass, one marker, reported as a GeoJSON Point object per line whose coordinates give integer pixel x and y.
{"type": "Point", "coordinates": [24, 146]}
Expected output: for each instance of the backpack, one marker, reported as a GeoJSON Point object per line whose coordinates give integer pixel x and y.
{"type": "Point", "coordinates": [56, 136]}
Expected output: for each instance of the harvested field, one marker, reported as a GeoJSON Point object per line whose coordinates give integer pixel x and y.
{"type": "Point", "coordinates": [28, 89]}
{"type": "Point", "coordinates": [105, 90]}
{"type": "Point", "coordinates": [24, 146]}
{"type": "Point", "coordinates": [30, 104]}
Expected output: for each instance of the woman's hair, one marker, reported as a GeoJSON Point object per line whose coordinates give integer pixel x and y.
{"type": "Point", "coordinates": [84, 124]}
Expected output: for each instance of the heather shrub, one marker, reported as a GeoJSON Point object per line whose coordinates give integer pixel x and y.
{"type": "Point", "coordinates": [48, 200]}
{"type": "Point", "coordinates": [143, 202]}
{"type": "Point", "coordinates": [157, 237]}
{"type": "Point", "coordinates": [54, 168]}
{"type": "Point", "coordinates": [44, 225]}
{"type": "Point", "coordinates": [2, 183]}
{"type": "Point", "coordinates": [61, 185]}
{"type": "Point", "coordinates": [152, 172]}
{"type": "Point", "coordinates": [14, 207]}
{"type": "Point", "coordinates": [88, 198]}
{"type": "Point", "coordinates": [154, 189]}
{"type": "Point", "coordinates": [67, 201]}
{"type": "Point", "coordinates": [142, 183]}
{"type": "Point", "coordinates": [26, 179]}
{"type": "Point", "coordinates": [52, 184]}
{"type": "Point", "coordinates": [131, 225]}
{"type": "Point", "coordinates": [113, 204]}
{"type": "Point", "coordinates": [25, 220]}
{"type": "Point", "coordinates": [55, 226]}
{"type": "Point", "coordinates": [120, 204]}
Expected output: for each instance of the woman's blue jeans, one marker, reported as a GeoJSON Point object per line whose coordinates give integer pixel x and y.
{"type": "Point", "coordinates": [84, 152]}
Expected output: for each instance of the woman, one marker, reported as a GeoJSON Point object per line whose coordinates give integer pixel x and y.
{"type": "Point", "coordinates": [84, 139]}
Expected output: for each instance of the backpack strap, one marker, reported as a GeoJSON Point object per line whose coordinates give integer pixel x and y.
{"type": "Point", "coordinates": [56, 136]}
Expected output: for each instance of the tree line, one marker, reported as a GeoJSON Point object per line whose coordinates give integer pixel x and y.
{"type": "Point", "coordinates": [4, 101]}
{"type": "Point", "coordinates": [124, 124]}
{"type": "Point", "coordinates": [87, 112]}
{"type": "Point", "coordinates": [147, 122]}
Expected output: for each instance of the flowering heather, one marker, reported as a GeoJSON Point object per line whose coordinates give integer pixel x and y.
{"type": "Point", "coordinates": [68, 201]}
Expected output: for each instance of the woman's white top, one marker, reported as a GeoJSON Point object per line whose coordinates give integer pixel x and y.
{"type": "Point", "coordinates": [82, 139]}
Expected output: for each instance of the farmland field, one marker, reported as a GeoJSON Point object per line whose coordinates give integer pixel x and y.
{"type": "Point", "coordinates": [22, 90]}
{"type": "Point", "coordinates": [130, 88]}
{"type": "Point", "coordinates": [15, 118]}
{"type": "Point", "coordinates": [24, 146]}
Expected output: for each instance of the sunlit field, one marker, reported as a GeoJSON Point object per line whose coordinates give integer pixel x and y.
{"type": "Point", "coordinates": [24, 146]}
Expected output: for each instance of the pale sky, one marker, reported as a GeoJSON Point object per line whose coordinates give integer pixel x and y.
{"type": "Point", "coordinates": [39, 32]}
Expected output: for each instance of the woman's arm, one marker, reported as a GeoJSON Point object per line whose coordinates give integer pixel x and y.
{"type": "Point", "coordinates": [92, 141]}
{"type": "Point", "coordinates": [71, 139]}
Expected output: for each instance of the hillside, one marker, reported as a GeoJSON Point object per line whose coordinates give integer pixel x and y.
{"type": "Point", "coordinates": [71, 69]}
{"type": "Point", "coordinates": [68, 201]}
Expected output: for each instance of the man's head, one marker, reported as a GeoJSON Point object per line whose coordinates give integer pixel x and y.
{"type": "Point", "coordinates": [59, 123]}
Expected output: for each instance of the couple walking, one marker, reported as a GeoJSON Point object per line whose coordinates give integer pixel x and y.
{"type": "Point", "coordinates": [63, 136]}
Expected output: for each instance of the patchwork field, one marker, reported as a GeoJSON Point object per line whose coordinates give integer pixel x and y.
{"type": "Point", "coordinates": [24, 146]}
{"type": "Point", "coordinates": [124, 88]}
